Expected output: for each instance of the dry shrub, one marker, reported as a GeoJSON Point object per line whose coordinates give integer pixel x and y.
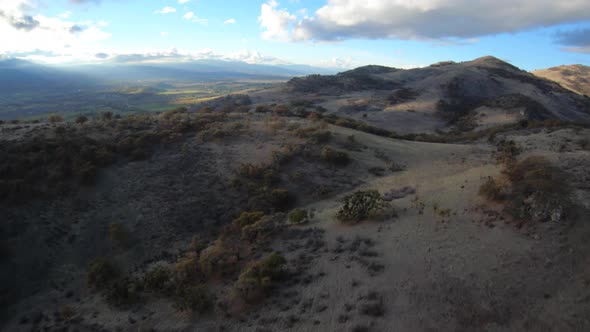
{"type": "Point", "coordinates": [194, 298]}
{"type": "Point", "coordinates": [101, 273]}
{"type": "Point", "coordinates": [536, 190]}
{"type": "Point", "coordinates": [491, 190]}
{"type": "Point", "coordinates": [218, 259]}
{"type": "Point", "coordinates": [248, 218]}
{"type": "Point", "coordinates": [55, 118]}
{"type": "Point", "coordinates": [158, 279]}
{"type": "Point", "coordinates": [257, 279]}
{"type": "Point", "coordinates": [338, 158]}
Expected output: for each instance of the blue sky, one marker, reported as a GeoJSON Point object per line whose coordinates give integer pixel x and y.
{"type": "Point", "coordinates": [531, 34]}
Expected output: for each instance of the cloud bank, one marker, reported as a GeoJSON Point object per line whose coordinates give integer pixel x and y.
{"type": "Point", "coordinates": [418, 19]}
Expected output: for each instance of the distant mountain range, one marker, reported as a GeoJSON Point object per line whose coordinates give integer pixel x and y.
{"type": "Point", "coordinates": [19, 75]}
{"type": "Point", "coordinates": [573, 77]}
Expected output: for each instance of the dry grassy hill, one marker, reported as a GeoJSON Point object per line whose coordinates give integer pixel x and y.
{"type": "Point", "coordinates": [573, 77]}
{"type": "Point", "coordinates": [275, 219]}
{"type": "Point", "coordinates": [470, 95]}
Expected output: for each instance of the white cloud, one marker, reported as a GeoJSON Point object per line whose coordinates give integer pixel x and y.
{"type": "Point", "coordinates": [419, 19]}
{"type": "Point", "coordinates": [166, 10]}
{"type": "Point", "coordinates": [57, 38]}
{"type": "Point", "coordinates": [337, 62]}
{"type": "Point", "coordinates": [230, 21]}
{"type": "Point", "coordinates": [274, 21]}
{"type": "Point", "coordinates": [65, 15]}
{"type": "Point", "coordinates": [183, 1]}
{"type": "Point", "coordinates": [194, 18]}
{"type": "Point", "coordinates": [164, 34]}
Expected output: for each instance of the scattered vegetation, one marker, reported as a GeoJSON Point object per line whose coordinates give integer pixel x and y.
{"type": "Point", "coordinates": [360, 205]}
{"type": "Point", "coordinates": [158, 279]}
{"type": "Point", "coordinates": [194, 298]}
{"type": "Point", "coordinates": [298, 216]}
{"type": "Point", "coordinates": [101, 273]}
{"type": "Point", "coordinates": [402, 95]}
{"type": "Point", "coordinates": [257, 279]}
{"type": "Point", "coordinates": [338, 158]}
{"type": "Point", "coordinates": [534, 190]}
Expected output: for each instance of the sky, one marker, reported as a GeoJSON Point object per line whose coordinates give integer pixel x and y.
{"type": "Point", "coordinates": [531, 34]}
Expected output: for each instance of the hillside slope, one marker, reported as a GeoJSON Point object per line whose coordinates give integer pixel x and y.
{"type": "Point", "coordinates": [474, 94]}
{"type": "Point", "coordinates": [167, 223]}
{"type": "Point", "coordinates": [573, 77]}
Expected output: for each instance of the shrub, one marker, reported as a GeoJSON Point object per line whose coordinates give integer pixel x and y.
{"type": "Point", "coordinates": [248, 218]}
{"type": "Point", "coordinates": [186, 270]}
{"type": "Point", "coordinates": [491, 190]}
{"type": "Point", "coordinates": [195, 298]}
{"type": "Point", "coordinates": [320, 137]}
{"type": "Point", "coordinates": [298, 216]}
{"type": "Point", "coordinates": [360, 206]}
{"type": "Point", "coordinates": [279, 198]}
{"type": "Point", "coordinates": [157, 279]}
{"type": "Point", "coordinates": [257, 279]}
{"type": "Point", "coordinates": [507, 151]}
{"type": "Point", "coordinates": [339, 158]}
{"type": "Point", "coordinates": [260, 230]}
{"type": "Point", "coordinates": [537, 192]}
{"type": "Point", "coordinates": [82, 119]}
{"type": "Point", "coordinates": [55, 118]}
{"type": "Point", "coordinates": [123, 292]}
{"type": "Point", "coordinates": [101, 273]}
{"type": "Point", "coordinates": [218, 260]}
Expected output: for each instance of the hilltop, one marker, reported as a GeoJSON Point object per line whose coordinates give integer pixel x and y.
{"type": "Point", "coordinates": [573, 77]}
{"type": "Point", "coordinates": [474, 94]}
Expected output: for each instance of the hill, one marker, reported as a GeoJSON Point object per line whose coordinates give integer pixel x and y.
{"type": "Point", "coordinates": [573, 77]}
{"type": "Point", "coordinates": [225, 220]}
{"type": "Point", "coordinates": [474, 94]}
{"type": "Point", "coordinates": [276, 210]}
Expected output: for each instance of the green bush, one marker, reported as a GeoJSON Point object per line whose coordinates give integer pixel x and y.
{"type": "Point", "coordinates": [256, 280]}
{"type": "Point", "coordinates": [194, 298]}
{"type": "Point", "coordinates": [101, 273]}
{"type": "Point", "coordinates": [298, 216]}
{"type": "Point", "coordinates": [339, 158]}
{"type": "Point", "coordinates": [157, 279]}
{"type": "Point", "coordinates": [248, 218]}
{"type": "Point", "coordinates": [360, 206]}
